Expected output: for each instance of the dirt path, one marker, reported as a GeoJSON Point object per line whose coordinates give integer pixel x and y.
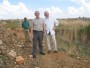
{"type": "Point", "coordinates": [59, 60]}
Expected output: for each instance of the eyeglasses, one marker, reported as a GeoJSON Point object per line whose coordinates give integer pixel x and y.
{"type": "Point", "coordinates": [37, 13]}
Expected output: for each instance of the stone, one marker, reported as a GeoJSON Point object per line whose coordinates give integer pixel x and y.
{"type": "Point", "coordinates": [19, 60]}
{"type": "Point", "coordinates": [1, 42]}
{"type": "Point", "coordinates": [19, 46]}
{"type": "Point", "coordinates": [43, 45]}
{"type": "Point", "coordinates": [31, 56]}
{"type": "Point", "coordinates": [12, 54]}
{"type": "Point", "coordinates": [16, 66]}
{"type": "Point", "coordinates": [37, 67]}
{"type": "Point", "coordinates": [4, 49]}
{"type": "Point", "coordinates": [31, 46]}
{"type": "Point", "coordinates": [78, 57]}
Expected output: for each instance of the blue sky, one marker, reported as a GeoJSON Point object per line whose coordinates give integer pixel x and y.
{"type": "Point", "coordinates": [58, 8]}
{"type": "Point", "coordinates": [63, 4]}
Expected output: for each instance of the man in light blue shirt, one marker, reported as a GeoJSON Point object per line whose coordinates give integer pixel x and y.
{"type": "Point", "coordinates": [50, 24]}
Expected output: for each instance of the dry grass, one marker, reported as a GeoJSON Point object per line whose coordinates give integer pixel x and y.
{"type": "Point", "coordinates": [73, 53]}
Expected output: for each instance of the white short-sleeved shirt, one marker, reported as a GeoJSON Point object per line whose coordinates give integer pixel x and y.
{"type": "Point", "coordinates": [50, 24]}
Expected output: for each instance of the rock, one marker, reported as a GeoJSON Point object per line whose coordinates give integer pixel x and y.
{"type": "Point", "coordinates": [19, 60]}
{"type": "Point", "coordinates": [37, 67]}
{"type": "Point", "coordinates": [8, 43]}
{"type": "Point", "coordinates": [1, 42]}
{"type": "Point", "coordinates": [0, 51]}
{"type": "Point", "coordinates": [78, 57]}
{"type": "Point", "coordinates": [12, 54]}
{"type": "Point", "coordinates": [16, 66]}
{"type": "Point", "coordinates": [31, 46]}
{"type": "Point", "coordinates": [19, 45]}
{"type": "Point", "coordinates": [9, 29]}
{"type": "Point", "coordinates": [31, 56]}
{"type": "Point", "coordinates": [4, 49]}
{"type": "Point", "coordinates": [43, 45]}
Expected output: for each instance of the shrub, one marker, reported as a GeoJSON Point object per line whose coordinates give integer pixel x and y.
{"type": "Point", "coordinates": [87, 31]}
{"type": "Point", "coordinates": [84, 32]}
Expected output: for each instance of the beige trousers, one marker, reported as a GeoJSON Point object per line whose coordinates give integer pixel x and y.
{"type": "Point", "coordinates": [27, 37]}
{"type": "Point", "coordinates": [51, 38]}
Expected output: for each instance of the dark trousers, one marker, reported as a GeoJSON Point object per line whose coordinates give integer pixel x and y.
{"type": "Point", "coordinates": [37, 40]}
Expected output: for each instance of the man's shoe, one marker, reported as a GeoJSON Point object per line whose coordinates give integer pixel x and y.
{"type": "Point", "coordinates": [55, 51]}
{"type": "Point", "coordinates": [49, 52]}
{"type": "Point", "coordinates": [34, 56]}
{"type": "Point", "coordinates": [42, 53]}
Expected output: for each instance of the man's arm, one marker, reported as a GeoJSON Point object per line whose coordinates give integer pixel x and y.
{"type": "Point", "coordinates": [44, 27]}
{"type": "Point", "coordinates": [32, 29]}
{"type": "Point", "coordinates": [28, 24]}
{"type": "Point", "coordinates": [22, 24]}
{"type": "Point", "coordinates": [56, 23]}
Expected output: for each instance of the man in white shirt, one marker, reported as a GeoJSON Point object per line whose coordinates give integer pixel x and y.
{"type": "Point", "coordinates": [50, 24]}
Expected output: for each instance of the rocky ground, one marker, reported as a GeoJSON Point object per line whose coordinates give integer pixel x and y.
{"type": "Point", "coordinates": [14, 53]}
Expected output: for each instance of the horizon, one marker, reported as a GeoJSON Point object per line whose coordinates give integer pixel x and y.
{"type": "Point", "coordinates": [56, 18]}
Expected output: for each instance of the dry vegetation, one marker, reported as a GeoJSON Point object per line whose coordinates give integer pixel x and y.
{"type": "Point", "coordinates": [73, 44]}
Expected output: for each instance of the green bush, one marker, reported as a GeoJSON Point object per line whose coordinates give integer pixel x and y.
{"type": "Point", "coordinates": [85, 31]}
{"type": "Point", "coordinates": [12, 24]}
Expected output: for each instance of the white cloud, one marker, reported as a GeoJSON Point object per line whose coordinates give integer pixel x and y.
{"type": "Point", "coordinates": [20, 10]}
{"type": "Point", "coordinates": [83, 10]}
{"type": "Point", "coordinates": [7, 10]}
{"type": "Point", "coordinates": [72, 10]}
{"type": "Point", "coordinates": [54, 11]}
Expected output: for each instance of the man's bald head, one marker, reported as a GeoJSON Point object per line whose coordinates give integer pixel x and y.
{"type": "Point", "coordinates": [46, 14]}
{"type": "Point", "coordinates": [37, 14]}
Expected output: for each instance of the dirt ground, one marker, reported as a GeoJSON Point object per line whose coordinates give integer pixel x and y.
{"type": "Point", "coordinates": [52, 60]}
{"type": "Point", "coordinates": [59, 60]}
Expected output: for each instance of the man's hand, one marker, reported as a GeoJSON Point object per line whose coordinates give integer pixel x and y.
{"type": "Point", "coordinates": [53, 29]}
{"type": "Point", "coordinates": [31, 35]}
{"type": "Point", "coordinates": [45, 33]}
